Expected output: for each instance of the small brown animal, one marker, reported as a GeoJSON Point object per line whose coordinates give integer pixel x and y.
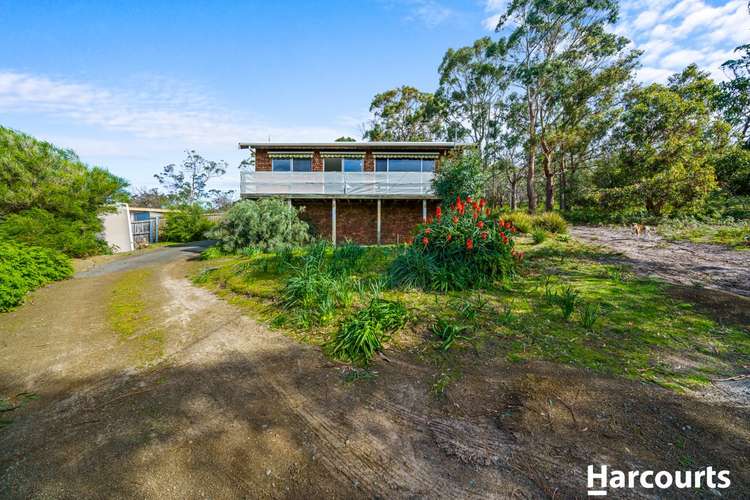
{"type": "Point", "coordinates": [641, 230]}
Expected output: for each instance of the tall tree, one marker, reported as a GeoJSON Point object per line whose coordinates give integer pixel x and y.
{"type": "Point", "coordinates": [546, 42]}
{"type": "Point", "coordinates": [735, 95]}
{"type": "Point", "coordinates": [150, 198]}
{"type": "Point", "coordinates": [471, 84]}
{"type": "Point", "coordinates": [188, 182]}
{"type": "Point", "coordinates": [666, 143]}
{"type": "Point", "coordinates": [404, 114]}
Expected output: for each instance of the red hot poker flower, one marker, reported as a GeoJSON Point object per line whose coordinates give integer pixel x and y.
{"type": "Point", "coordinates": [484, 235]}
{"type": "Point", "coordinates": [427, 231]}
{"type": "Point", "coordinates": [455, 219]}
{"type": "Point", "coordinates": [449, 237]}
{"type": "Point", "coordinates": [480, 224]}
{"type": "Point", "coordinates": [425, 241]}
{"type": "Point", "coordinates": [469, 244]}
{"type": "Point", "coordinates": [439, 213]}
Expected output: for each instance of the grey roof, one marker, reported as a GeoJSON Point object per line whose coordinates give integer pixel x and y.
{"type": "Point", "coordinates": [350, 146]}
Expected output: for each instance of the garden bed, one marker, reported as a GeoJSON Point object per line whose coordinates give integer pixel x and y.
{"type": "Point", "coordinates": [564, 306]}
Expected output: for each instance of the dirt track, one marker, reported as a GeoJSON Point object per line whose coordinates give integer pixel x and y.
{"type": "Point", "coordinates": [233, 410]}
{"type": "Point", "coordinates": [683, 263]}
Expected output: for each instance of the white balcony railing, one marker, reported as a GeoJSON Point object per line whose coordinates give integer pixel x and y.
{"type": "Point", "coordinates": [312, 184]}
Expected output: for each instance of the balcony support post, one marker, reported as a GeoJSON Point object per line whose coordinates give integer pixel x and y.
{"type": "Point", "coordinates": [424, 210]}
{"type": "Point", "coordinates": [333, 221]}
{"type": "Point", "coordinates": [378, 221]}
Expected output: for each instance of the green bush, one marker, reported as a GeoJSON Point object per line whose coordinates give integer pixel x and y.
{"type": "Point", "coordinates": [459, 249]}
{"type": "Point", "coordinates": [188, 223]}
{"type": "Point", "coordinates": [38, 227]}
{"type": "Point", "coordinates": [552, 222]}
{"type": "Point", "coordinates": [538, 235]}
{"type": "Point", "coordinates": [461, 175]}
{"type": "Point", "coordinates": [24, 268]}
{"type": "Point", "coordinates": [269, 224]}
{"type": "Point", "coordinates": [361, 335]}
{"type": "Point", "coordinates": [49, 198]}
{"type": "Point", "coordinates": [733, 171]}
{"type": "Point", "coordinates": [521, 220]}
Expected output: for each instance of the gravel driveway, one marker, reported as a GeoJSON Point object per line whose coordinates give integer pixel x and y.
{"type": "Point", "coordinates": [682, 263]}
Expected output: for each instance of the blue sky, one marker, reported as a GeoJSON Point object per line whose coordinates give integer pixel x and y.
{"type": "Point", "coordinates": [131, 85]}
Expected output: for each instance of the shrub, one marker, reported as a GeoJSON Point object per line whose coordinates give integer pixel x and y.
{"type": "Point", "coordinates": [521, 220]}
{"type": "Point", "coordinates": [189, 223]}
{"type": "Point", "coordinates": [269, 224]}
{"type": "Point", "coordinates": [538, 235]}
{"type": "Point", "coordinates": [459, 249]}
{"type": "Point", "coordinates": [448, 332]}
{"type": "Point", "coordinates": [49, 198]}
{"type": "Point", "coordinates": [552, 222]}
{"type": "Point", "coordinates": [361, 335]}
{"type": "Point", "coordinates": [24, 268]}
{"type": "Point", "coordinates": [461, 175]}
{"type": "Point", "coordinates": [589, 313]}
{"type": "Point", "coordinates": [38, 227]}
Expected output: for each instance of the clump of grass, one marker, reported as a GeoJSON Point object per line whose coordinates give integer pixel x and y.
{"type": "Point", "coordinates": [523, 221]}
{"type": "Point", "coordinates": [348, 259]}
{"type": "Point", "coordinates": [551, 222]}
{"type": "Point", "coordinates": [448, 332]}
{"type": "Point", "coordinates": [213, 252]}
{"type": "Point", "coordinates": [506, 316]}
{"type": "Point", "coordinates": [353, 375]}
{"type": "Point", "coordinates": [538, 235]}
{"type": "Point", "coordinates": [363, 333]}
{"type": "Point", "coordinates": [316, 293]}
{"type": "Point", "coordinates": [566, 300]}
{"type": "Point", "coordinates": [442, 381]}
{"type": "Point", "coordinates": [589, 313]}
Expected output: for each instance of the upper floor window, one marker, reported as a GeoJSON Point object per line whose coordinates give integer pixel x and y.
{"type": "Point", "coordinates": [404, 165]}
{"type": "Point", "coordinates": [352, 164]}
{"type": "Point", "coordinates": [291, 164]}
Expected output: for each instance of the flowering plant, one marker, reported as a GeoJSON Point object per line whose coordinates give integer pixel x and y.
{"type": "Point", "coordinates": [462, 246]}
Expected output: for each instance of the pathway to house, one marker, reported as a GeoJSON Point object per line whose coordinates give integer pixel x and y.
{"type": "Point", "coordinates": [131, 382]}
{"type": "Point", "coordinates": [683, 263]}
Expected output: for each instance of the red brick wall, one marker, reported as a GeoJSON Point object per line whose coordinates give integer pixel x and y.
{"type": "Point", "coordinates": [356, 220]}
{"type": "Point", "coordinates": [317, 162]}
{"type": "Point", "coordinates": [262, 161]}
{"type": "Point", "coordinates": [369, 163]}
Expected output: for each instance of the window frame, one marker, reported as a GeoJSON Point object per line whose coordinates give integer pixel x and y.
{"type": "Point", "coordinates": [291, 165]}
{"type": "Point", "coordinates": [421, 165]}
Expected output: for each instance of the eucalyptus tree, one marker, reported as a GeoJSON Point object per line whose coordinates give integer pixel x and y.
{"type": "Point", "coordinates": [735, 96]}
{"type": "Point", "coordinates": [188, 181]}
{"type": "Point", "coordinates": [404, 114]}
{"type": "Point", "coordinates": [472, 82]}
{"type": "Point", "coordinates": [547, 44]}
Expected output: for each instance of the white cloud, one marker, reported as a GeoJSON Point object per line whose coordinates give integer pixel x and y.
{"type": "Point", "coordinates": [649, 74]}
{"type": "Point", "coordinates": [160, 109]}
{"type": "Point", "coordinates": [490, 23]}
{"type": "Point", "coordinates": [679, 59]}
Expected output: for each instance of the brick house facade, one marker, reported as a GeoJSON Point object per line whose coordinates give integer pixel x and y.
{"type": "Point", "coordinates": [368, 193]}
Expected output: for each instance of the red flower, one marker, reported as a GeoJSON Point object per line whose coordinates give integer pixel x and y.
{"type": "Point", "coordinates": [427, 231]}
{"type": "Point", "coordinates": [507, 225]}
{"type": "Point", "coordinates": [513, 229]}
{"type": "Point", "coordinates": [449, 237]}
{"type": "Point", "coordinates": [484, 235]}
{"type": "Point", "coordinates": [501, 222]}
{"type": "Point", "coordinates": [475, 215]}
{"type": "Point", "coordinates": [468, 199]}
{"type": "Point", "coordinates": [482, 202]}
{"type": "Point", "coordinates": [439, 212]}
{"type": "Point", "coordinates": [480, 224]}
{"type": "Point", "coordinates": [455, 219]}
{"type": "Point", "coordinates": [425, 241]}
{"type": "Point", "coordinates": [469, 244]}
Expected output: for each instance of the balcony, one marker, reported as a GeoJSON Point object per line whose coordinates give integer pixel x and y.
{"type": "Point", "coordinates": [337, 184]}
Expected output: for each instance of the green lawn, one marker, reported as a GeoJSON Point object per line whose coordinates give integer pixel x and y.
{"type": "Point", "coordinates": [618, 324]}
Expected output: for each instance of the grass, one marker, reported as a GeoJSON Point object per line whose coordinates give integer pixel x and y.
{"type": "Point", "coordinates": [732, 234]}
{"type": "Point", "coordinates": [128, 317]}
{"type": "Point", "coordinates": [616, 324]}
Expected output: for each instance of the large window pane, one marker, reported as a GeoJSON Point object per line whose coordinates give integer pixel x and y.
{"type": "Point", "coordinates": [428, 165]}
{"type": "Point", "coordinates": [404, 165]}
{"type": "Point", "coordinates": [381, 165]}
{"type": "Point", "coordinates": [352, 164]}
{"type": "Point", "coordinates": [302, 165]}
{"type": "Point", "coordinates": [332, 164]}
{"type": "Point", "coordinates": [281, 164]}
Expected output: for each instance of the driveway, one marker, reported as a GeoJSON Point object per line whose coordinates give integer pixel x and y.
{"type": "Point", "coordinates": [130, 382]}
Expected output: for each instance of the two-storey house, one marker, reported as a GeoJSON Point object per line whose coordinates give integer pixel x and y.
{"type": "Point", "coordinates": [366, 192]}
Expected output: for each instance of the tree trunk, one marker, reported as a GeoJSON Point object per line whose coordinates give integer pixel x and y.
{"type": "Point", "coordinates": [513, 187]}
{"type": "Point", "coordinates": [549, 191]}
{"type": "Point", "coordinates": [531, 160]}
{"type": "Point", "coordinates": [563, 184]}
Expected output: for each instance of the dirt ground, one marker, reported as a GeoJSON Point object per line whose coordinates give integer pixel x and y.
{"type": "Point", "coordinates": [234, 410]}
{"type": "Point", "coordinates": [683, 263]}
